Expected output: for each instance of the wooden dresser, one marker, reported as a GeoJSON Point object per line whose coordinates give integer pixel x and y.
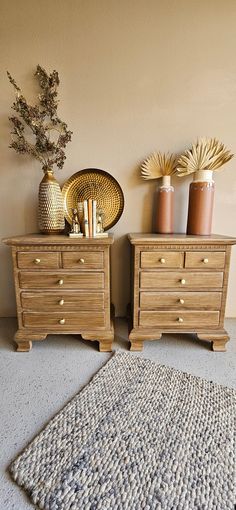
{"type": "Point", "coordinates": [179, 284]}
{"type": "Point", "coordinates": [62, 286]}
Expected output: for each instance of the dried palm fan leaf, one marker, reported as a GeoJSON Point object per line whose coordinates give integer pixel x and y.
{"type": "Point", "coordinates": [158, 165]}
{"type": "Point", "coordinates": [206, 154]}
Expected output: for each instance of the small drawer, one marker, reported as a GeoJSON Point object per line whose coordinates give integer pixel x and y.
{"type": "Point", "coordinates": [83, 260]}
{"type": "Point", "coordinates": [55, 281]}
{"type": "Point", "coordinates": [205, 259]}
{"type": "Point", "coordinates": [64, 321]}
{"type": "Point", "coordinates": [179, 319]}
{"type": "Point", "coordinates": [182, 279]}
{"type": "Point", "coordinates": [161, 259]}
{"type": "Point", "coordinates": [55, 301]}
{"type": "Point", "coordinates": [37, 260]}
{"type": "Point", "coordinates": [180, 301]}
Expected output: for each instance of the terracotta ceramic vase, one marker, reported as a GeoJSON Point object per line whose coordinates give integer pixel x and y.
{"type": "Point", "coordinates": [50, 205]}
{"type": "Point", "coordinates": [164, 223]}
{"type": "Point", "coordinates": [201, 201]}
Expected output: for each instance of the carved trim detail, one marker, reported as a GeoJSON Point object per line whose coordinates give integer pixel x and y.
{"type": "Point", "coordinates": [60, 248]}
{"type": "Point", "coordinates": [181, 247]}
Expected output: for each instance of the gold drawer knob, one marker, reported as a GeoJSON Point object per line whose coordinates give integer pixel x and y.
{"type": "Point", "coordinates": [162, 261]}
{"type": "Point", "coordinates": [183, 281]}
{"type": "Point", "coordinates": [81, 261]}
{"type": "Point", "coordinates": [37, 261]}
{"type": "Point", "coordinates": [180, 319]}
{"type": "Point", "coordinates": [205, 261]}
{"type": "Point", "coordinates": [62, 321]}
{"type": "Point", "coordinates": [61, 302]}
{"type": "Point", "coordinates": [181, 301]}
{"type": "Point", "coordinates": [60, 282]}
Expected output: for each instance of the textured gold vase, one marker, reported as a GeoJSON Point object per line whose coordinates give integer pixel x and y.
{"type": "Point", "coordinates": [50, 206]}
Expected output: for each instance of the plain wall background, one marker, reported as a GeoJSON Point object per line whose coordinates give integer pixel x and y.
{"type": "Point", "coordinates": [136, 76]}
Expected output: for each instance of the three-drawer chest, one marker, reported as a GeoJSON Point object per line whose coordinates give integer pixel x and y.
{"type": "Point", "coordinates": [179, 284]}
{"type": "Point", "coordinates": [62, 286]}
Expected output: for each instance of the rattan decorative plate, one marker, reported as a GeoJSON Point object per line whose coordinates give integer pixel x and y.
{"type": "Point", "coordinates": [96, 184]}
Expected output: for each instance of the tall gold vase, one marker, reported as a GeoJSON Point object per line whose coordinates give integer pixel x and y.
{"type": "Point", "coordinates": [50, 205]}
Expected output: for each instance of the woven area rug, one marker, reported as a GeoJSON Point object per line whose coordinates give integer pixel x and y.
{"type": "Point", "coordinates": [140, 436]}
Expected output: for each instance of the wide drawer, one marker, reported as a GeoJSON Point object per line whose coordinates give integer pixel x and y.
{"type": "Point", "coordinates": [81, 280]}
{"type": "Point", "coordinates": [161, 259]}
{"type": "Point", "coordinates": [62, 301]}
{"type": "Point", "coordinates": [205, 259]}
{"type": "Point", "coordinates": [37, 260]}
{"type": "Point", "coordinates": [182, 279]}
{"type": "Point", "coordinates": [80, 320]}
{"type": "Point", "coordinates": [178, 319]}
{"type": "Point", "coordinates": [82, 260]}
{"type": "Point", "coordinates": [180, 300]}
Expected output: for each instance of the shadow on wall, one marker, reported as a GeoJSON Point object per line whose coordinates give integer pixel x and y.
{"type": "Point", "coordinates": [120, 276]}
{"type": "Point", "coordinates": [7, 284]}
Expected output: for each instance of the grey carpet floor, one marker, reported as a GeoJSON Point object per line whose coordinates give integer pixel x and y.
{"type": "Point", "coordinates": [36, 385]}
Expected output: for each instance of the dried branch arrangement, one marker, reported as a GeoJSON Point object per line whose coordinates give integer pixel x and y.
{"type": "Point", "coordinates": [158, 165]}
{"type": "Point", "coordinates": [47, 135]}
{"type": "Point", "coordinates": [206, 154]}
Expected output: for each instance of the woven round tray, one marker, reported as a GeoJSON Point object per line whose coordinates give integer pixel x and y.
{"type": "Point", "coordinates": [98, 185]}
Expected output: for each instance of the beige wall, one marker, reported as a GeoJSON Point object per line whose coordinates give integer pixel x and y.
{"type": "Point", "coordinates": [136, 75]}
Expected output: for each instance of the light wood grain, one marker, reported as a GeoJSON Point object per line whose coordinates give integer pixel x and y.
{"type": "Point", "coordinates": [181, 280]}
{"type": "Point", "coordinates": [179, 318]}
{"type": "Point", "coordinates": [24, 339]}
{"type": "Point", "coordinates": [205, 259]}
{"type": "Point", "coordinates": [72, 300]}
{"type": "Point", "coordinates": [158, 240]}
{"type": "Point", "coordinates": [59, 301]}
{"type": "Point", "coordinates": [38, 260]}
{"type": "Point", "coordinates": [61, 280]}
{"type": "Point", "coordinates": [64, 320]}
{"type": "Point", "coordinates": [82, 260]}
{"type": "Point", "coordinates": [180, 300]}
{"type": "Point", "coordinates": [162, 259]}
{"type": "Point", "coordinates": [188, 301]}
{"type": "Point", "coordinates": [57, 240]}
{"type": "Point", "coordinates": [218, 340]}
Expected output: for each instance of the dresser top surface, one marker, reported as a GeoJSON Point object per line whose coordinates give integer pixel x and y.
{"type": "Point", "coordinates": [41, 239]}
{"type": "Point", "coordinates": [136, 238]}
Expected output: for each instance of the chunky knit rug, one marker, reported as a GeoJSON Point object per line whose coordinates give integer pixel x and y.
{"type": "Point", "coordinates": [140, 436]}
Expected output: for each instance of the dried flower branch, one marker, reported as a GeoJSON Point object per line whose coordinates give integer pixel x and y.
{"type": "Point", "coordinates": [206, 154]}
{"type": "Point", "coordinates": [157, 165]}
{"type": "Point", "coordinates": [48, 132]}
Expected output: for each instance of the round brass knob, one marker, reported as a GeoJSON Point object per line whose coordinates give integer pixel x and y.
{"type": "Point", "coordinates": [62, 321]}
{"type": "Point", "coordinates": [183, 281]}
{"type": "Point", "coordinates": [60, 282]}
{"type": "Point", "coordinates": [37, 261]}
{"type": "Point", "coordinates": [181, 301]}
{"type": "Point", "coordinates": [180, 319]}
{"type": "Point", "coordinates": [61, 302]}
{"type": "Point", "coordinates": [162, 261]}
{"type": "Point", "coordinates": [205, 261]}
{"type": "Point", "coordinates": [81, 261]}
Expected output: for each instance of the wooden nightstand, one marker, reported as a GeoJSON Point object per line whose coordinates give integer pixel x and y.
{"type": "Point", "coordinates": [62, 286]}
{"type": "Point", "coordinates": [179, 284]}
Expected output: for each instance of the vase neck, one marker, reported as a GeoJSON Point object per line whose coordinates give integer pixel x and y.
{"type": "Point", "coordinates": [48, 171]}
{"type": "Point", "coordinates": [203, 176]}
{"type": "Point", "coordinates": [166, 181]}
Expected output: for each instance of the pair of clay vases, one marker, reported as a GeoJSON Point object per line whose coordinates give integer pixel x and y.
{"type": "Point", "coordinates": [200, 206]}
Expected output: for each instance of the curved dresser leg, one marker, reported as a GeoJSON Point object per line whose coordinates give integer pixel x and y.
{"type": "Point", "coordinates": [24, 340]}
{"type": "Point", "coordinates": [218, 340]}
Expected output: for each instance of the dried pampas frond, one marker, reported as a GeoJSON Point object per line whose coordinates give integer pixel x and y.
{"type": "Point", "coordinates": [206, 154]}
{"type": "Point", "coordinates": [157, 165]}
